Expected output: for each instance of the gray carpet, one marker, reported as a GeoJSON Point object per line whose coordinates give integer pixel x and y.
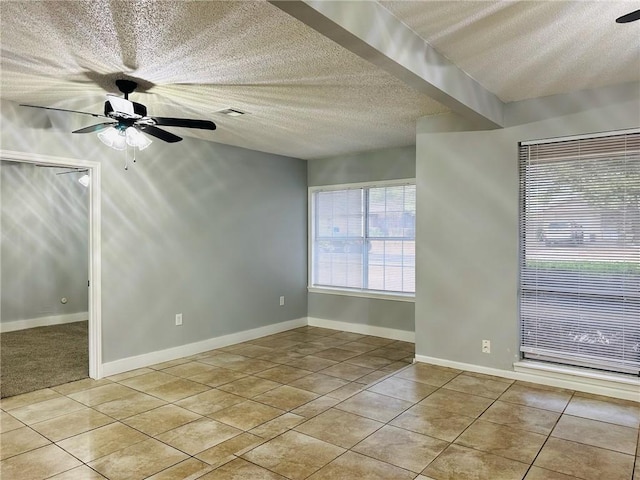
{"type": "Point", "coordinates": [43, 357]}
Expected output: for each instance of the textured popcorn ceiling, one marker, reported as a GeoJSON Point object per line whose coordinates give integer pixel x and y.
{"type": "Point", "coordinates": [528, 49]}
{"type": "Point", "coordinates": [306, 96]}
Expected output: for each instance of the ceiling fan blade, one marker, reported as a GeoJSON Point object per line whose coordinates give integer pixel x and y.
{"type": "Point", "coordinates": [159, 133]}
{"type": "Point", "coordinates": [629, 17]}
{"type": "Point", "coordinates": [63, 110]}
{"type": "Point", "coordinates": [95, 128]}
{"type": "Point", "coordinates": [184, 122]}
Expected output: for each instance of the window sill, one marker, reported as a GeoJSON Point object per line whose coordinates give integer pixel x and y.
{"type": "Point", "coordinates": [395, 297]}
{"type": "Point", "coordinates": [605, 383]}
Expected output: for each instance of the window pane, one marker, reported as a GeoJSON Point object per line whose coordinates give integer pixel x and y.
{"type": "Point", "coordinates": [337, 247]}
{"type": "Point", "coordinates": [339, 213]}
{"type": "Point", "coordinates": [338, 269]}
{"type": "Point", "coordinates": [391, 229]}
{"type": "Point", "coordinates": [392, 265]}
{"type": "Point", "coordinates": [382, 260]}
{"type": "Point", "coordinates": [392, 212]}
{"type": "Point", "coordinates": [580, 244]}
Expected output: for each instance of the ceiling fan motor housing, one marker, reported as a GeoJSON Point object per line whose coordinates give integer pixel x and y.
{"type": "Point", "coordinates": [138, 109]}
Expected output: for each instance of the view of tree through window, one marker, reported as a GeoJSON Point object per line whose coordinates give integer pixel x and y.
{"type": "Point", "coordinates": [364, 238]}
{"type": "Point", "coordinates": [580, 251]}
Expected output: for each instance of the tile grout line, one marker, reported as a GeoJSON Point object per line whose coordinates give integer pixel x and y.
{"type": "Point", "coordinates": [549, 434]}
{"type": "Point", "coordinates": [361, 387]}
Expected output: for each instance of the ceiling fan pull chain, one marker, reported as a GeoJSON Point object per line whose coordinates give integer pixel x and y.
{"type": "Point", "coordinates": [126, 159]}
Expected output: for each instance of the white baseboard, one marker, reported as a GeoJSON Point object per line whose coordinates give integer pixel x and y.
{"type": "Point", "coordinates": [43, 321]}
{"type": "Point", "coordinates": [363, 329]}
{"type": "Point", "coordinates": [152, 358]}
{"type": "Point", "coordinates": [610, 385]}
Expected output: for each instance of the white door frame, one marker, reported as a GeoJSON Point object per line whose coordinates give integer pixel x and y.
{"type": "Point", "coordinates": [95, 256]}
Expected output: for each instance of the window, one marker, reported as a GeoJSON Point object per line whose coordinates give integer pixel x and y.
{"type": "Point", "coordinates": [362, 238]}
{"type": "Point", "coordinates": [580, 251]}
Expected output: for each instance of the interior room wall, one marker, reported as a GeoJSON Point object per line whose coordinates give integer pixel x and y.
{"type": "Point", "coordinates": [214, 232]}
{"type": "Point", "coordinates": [467, 223]}
{"type": "Point", "coordinates": [45, 227]}
{"type": "Point", "coordinates": [388, 164]}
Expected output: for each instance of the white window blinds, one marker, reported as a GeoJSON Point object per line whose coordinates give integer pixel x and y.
{"type": "Point", "coordinates": [580, 251]}
{"type": "Point", "coordinates": [364, 238]}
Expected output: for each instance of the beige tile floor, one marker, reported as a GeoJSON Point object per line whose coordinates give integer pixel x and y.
{"type": "Point", "coordinates": [315, 404]}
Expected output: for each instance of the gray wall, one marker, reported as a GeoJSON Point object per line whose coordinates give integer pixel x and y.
{"type": "Point", "coordinates": [377, 165]}
{"type": "Point", "coordinates": [217, 233]}
{"type": "Point", "coordinates": [45, 230]}
{"type": "Point", "coordinates": [390, 164]}
{"type": "Point", "coordinates": [467, 226]}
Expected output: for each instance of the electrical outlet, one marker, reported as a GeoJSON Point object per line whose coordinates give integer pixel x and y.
{"type": "Point", "coordinates": [178, 319]}
{"type": "Point", "coordinates": [486, 346]}
{"type": "Point", "coordinates": [282, 300]}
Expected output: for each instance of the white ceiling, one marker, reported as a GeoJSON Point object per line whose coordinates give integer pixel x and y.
{"type": "Point", "coordinates": [327, 79]}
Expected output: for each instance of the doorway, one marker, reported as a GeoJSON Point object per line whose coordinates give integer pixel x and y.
{"type": "Point", "coordinates": [93, 285]}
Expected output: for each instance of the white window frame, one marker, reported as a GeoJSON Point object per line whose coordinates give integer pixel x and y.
{"type": "Point", "coordinates": [350, 292]}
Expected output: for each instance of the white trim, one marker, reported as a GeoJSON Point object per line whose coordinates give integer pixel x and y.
{"type": "Point", "coordinates": [159, 356]}
{"type": "Point", "coordinates": [396, 297]}
{"type": "Point", "coordinates": [311, 233]}
{"type": "Point", "coordinates": [595, 381]}
{"type": "Point", "coordinates": [16, 325]}
{"type": "Point", "coordinates": [581, 137]}
{"type": "Point", "coordinates": [358, 185]}
{"type": "Point", "coordinates": [364, 329]}
{"type": "Point", "coordinates": [95, 273]}
{"type": "Point", "coordinates": [95, 245]}
{"type": "Point", "coordinates": [610, 385]}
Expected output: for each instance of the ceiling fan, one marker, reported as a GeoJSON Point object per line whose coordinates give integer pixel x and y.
{"type": "Point", "coordinates": [129, 118]}
{"type": "Point", "coordinates": [629, 17]}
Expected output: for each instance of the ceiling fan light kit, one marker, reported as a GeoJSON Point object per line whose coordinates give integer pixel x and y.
{"type": "Point", "coordinates": [111, 138]}
{"type": "Point", "coordinates": [136, 139]}
{"type": "Point", "coordinates": [118, 138]}
{"type": "Point", "coordinates": [129, 122]}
